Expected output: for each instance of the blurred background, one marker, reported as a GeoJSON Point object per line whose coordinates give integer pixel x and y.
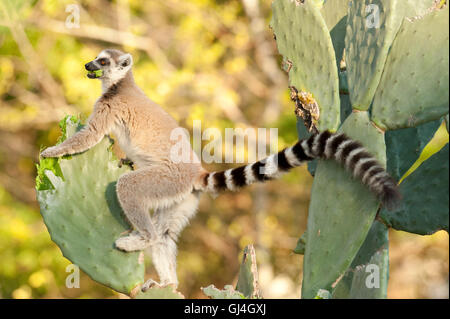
{"type": "Point", "coordinates": [209, 60]}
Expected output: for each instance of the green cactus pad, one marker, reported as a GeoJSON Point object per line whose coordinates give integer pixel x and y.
{"type": "Point", "coordinates": [360, 276]}
{"type": "Point", "coordinates": [371, 29]}
{"type": "Point", "coordinates": [373, 252]}
{"type": "Point", "coordinates": [96, 73]}
{"type": "Point", "coordinates": [52, 164]}
{"type": "Point", "coordinates": [335, 15]}
{"type": "Point", "coordinates": [343, 82]}
{"type": "Point", "coordinates": [301, 244]}
{"type": "Point", "coordinates": [304, 134]}
{"type": "Point", "coordinates": [346, 107]}
{"type": "Point", "coordinates": [405, 146]}
{"type": "Point", "coordinates": [323, 294]}
{"type": "Point", "coordinates": [424, 207]}
{"type": "Point", "coordinates": [341, 212]}
{"type": "Point", "coordinates": [168, 292]}
{"type": "Point", "coordinates": [303, 39]}
{"type": "Point", "coordinates": [84, 218]}
{"type": "Point", "coordinates": [248, 274]}
{"type": "Point", "coordinates": [227, 293]}
{"type": "Point", "coordinates": [414, 86]}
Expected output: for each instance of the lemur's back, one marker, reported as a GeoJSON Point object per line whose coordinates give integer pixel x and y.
{"type": "Point", "coordinates": [148, 134]}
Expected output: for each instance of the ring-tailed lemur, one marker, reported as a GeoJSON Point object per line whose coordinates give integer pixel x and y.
{"type": "Point", "coordinates": [143, 131]}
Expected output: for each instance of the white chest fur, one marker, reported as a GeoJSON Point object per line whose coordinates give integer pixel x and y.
{"type": "Point", "coordinates": [133, 152]}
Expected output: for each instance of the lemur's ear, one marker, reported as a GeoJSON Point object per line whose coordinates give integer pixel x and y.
{"type": "Point", "coordinates": [125, 60]}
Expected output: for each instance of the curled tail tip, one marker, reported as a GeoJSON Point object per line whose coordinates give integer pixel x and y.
{"type": "Point", "coordinates": [390, 196]}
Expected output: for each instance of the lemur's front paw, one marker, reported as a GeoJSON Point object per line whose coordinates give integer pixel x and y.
{"type": "Point", "coordinates": [133, 242]}
{"type": "Point", "coordinates": [51, 152]}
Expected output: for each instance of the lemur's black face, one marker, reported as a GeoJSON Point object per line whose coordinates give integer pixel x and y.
{"type": "Point", "coordinates": [96, 67]}
{"type": "Point", "coordinates": [110, 65]}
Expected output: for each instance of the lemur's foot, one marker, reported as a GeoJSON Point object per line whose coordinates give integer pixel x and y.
{"type": "Point", "coordinates": [151, 284]}
{"type": "Point", "coordinates": [133, 242]}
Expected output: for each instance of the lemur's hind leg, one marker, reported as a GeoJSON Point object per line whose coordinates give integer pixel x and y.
{"type": "Point", "coordinates": [138, 192]}
{"type": "Point", "coordinates": [169, 224]}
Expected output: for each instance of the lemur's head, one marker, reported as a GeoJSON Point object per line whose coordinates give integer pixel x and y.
{"type": "Point", "coordinates": [110, 65]}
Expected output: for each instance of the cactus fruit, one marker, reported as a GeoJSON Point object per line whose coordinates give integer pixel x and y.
{"type": "Point", "coordinates": [82, 214]}
{"type": "Point", "coordinates": [414, 86]}
{"type": "Point", "coordinates": [309, 54]}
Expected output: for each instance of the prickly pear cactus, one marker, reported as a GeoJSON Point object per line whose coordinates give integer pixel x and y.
{"type": "Point", "coordinates": [247, 286]}
{"type": "Point", "coordinates": [414, 86]}
{"type": "Point", "coordinates": [424, 208]}
{"type": "Point", "coordinates": [228, 292]}
{"type": "Point", "coordinates": [80, 209]}
{"type": "Point", "coordinates": [301, 244]}
{"type": "Point", "coordinates": [322, 294]}
{"type": "Point", "coordinates": [363, 279]}
{"type": "Point", "coordinates": [78, 202]}
{"type": "Point", "coordinates": [308, 55]}
{"type": "Point", "coordinates": [168, 292]}
{"type": "Point", "coordinates": [340, 214]}
{"type": "Point", "coordinates": [393, 92]}
{"type": "Point", "coordinates": [248, 274]}
{"type": "Point", "coordinates": [406, 145]}
{"type": "Point", "coordinates": [372, 26]}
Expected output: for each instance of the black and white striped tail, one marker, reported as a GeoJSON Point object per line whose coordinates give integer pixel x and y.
{"type": "Point", "coordinates": [326, 145]}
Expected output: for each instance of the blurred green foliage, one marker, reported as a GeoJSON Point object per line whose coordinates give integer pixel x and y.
{"type": "Point", "coordinates": [208, 60]}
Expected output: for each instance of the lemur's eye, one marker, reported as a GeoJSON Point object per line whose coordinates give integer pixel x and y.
{"type": "Point", "coordinates": [102, 62]}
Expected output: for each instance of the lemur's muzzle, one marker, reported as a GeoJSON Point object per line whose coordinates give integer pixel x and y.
{"type": "Point", "coordinates": [94, 70]}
